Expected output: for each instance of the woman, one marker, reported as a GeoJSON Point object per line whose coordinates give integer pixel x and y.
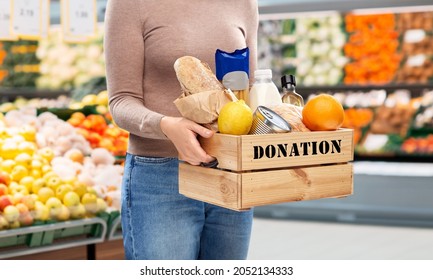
{"type": "Point", "coordinates": [143, 39]}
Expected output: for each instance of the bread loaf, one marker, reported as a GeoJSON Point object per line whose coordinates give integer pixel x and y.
{"type": "Point", "coordinates": [195, 76]}
{"type": "Point", "coordinates": [292, 114]}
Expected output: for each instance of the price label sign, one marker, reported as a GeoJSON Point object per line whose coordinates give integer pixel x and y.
{"type": "Point", "coordinates": [6, 20]}
{"type": "Point", "coordinates": [27, 18]}
{"type": "Point", "coordinates": [80, 19]}
{"type": "Point", "coordinates": [45, 18]}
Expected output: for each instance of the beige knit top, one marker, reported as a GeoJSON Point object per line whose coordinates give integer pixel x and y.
{"type": "Point", "coordinates": [143, 38]}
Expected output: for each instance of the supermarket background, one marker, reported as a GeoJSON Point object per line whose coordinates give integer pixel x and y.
{"type": "Point", "coordinates": [376, 57]}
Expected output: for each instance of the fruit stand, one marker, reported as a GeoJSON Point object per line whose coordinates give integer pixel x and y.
{"type": "Point", "coordinates": [49, 237]}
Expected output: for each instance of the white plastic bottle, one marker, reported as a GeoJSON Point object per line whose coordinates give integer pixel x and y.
{"type": "Point", "coordinates": [263, 92]}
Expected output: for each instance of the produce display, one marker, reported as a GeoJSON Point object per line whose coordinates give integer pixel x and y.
{"type": "Point", "coordinates": [3, 72]}
{"type": "Point", "coordinates": [61, 101]}
{"type": "Point", "coordinates": [67, 66]}
{"type": "Point", "coordinates": [19, 65]}
{"type": "Point", "coordinates": [417, 47]}
{"type": "Point", "coordinates": [395, 125]}
{"type": "Point", "coordinates": [319, 50]}
{"type": "Point", "coordinates": [100, 134]}
{"type": "Point", "coordinates": [373, 49]}
{"type": "Point", "coordinates": [50, 172]}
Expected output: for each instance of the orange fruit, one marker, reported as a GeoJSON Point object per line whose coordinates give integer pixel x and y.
{"type": "Point", "coordinates": [323, 112]}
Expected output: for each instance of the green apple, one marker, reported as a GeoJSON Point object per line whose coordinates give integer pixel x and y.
{"type": "Point", "coordinates": [19, 189]}
{"type": "Point", "coordinates": [14, 224]}
{"type": "Point", "coordinates": [78, 212]}
{"type": "Point", "coordinates": [63, 189]}
{"type": "Point", "coordinates": [11, 213]}
{"type": "Point", "coordinates": [27, 181]}
{"type": "Point", "coordinates": [45, 193]}
{"type": "Point", "coordinates": [54, 182]}
{"type": "Point", "coordinates": [79, 188]}
{"type": "Point", "coordinates": [89, 202]}
{"type": "Point", "coordinates": [54, 206]}
{"type": "Point", "coordinates": [7, 165]}
{"type": "Point", "coordinates": [41, 211]}
{"type": "Point", "coordinates": [24, 159]}
{"type": "Point", "coordinates": [36, 164]}
{"type": "Point", "coordinates": [4, 224]}
{"type": "Point", "coordinates": [47, 153]}
{"type": "Point", "coordinates": [38, 184]}
{"type": "Point", "coordinates": [64, 214]}
{"type": "Point", "coordinates": [71, 199]}
{"type": "Point", "coordinates": [19, 172]}
{"type": "Point", "coordinates": [101, 205]}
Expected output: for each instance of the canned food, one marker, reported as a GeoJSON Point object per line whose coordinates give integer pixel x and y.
{"type": "Point", "coordinates": [266, 121]}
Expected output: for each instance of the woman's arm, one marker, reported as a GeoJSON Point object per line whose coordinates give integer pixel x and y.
{"type": "Point", "coordinates": [252, 25]}
{"type": "Point", "coordinates": [124, 55]}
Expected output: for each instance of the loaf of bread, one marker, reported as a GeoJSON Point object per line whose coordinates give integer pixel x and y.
{"type": "Point", "coordinates": [292, 114]}
{"type": "Point", "coordinates": [195, 76]}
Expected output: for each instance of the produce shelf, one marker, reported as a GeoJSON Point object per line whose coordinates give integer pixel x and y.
{"type": "Point", "coordinates": [114, 231]}
{"type": "Point", "coordinates": [51, 236]}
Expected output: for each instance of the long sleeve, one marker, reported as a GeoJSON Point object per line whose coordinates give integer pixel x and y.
{"type": "Point", "coordinates": [251, 36]}
{"type": "Point", "coordinates": [124, 54]}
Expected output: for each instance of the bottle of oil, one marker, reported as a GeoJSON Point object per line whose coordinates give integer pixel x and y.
{"type": "Point", "coordinates": [290, 96]}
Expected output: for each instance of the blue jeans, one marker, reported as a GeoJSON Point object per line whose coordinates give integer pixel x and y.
{"type": "Point", "coordinates": [159, 223]}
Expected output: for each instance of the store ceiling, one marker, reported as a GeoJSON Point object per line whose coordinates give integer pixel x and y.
{"type": "Point", "coordinates": [295, 6]}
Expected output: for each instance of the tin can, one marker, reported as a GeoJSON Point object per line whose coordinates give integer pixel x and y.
{"type": "Point", "coordinates": [266, 121]}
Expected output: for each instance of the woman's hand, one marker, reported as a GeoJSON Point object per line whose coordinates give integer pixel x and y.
{"type": "Point", "coordinates": [183, 133]}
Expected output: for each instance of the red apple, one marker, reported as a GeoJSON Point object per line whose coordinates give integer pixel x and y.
{"type": "Point", "coordinates": [5, 178]}
{"type": "Point", "coordinates": [3, 189]}
{"type": "Point", "coordinates": [5, 201]}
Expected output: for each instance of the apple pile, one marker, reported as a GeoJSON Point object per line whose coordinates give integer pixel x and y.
{"type": "Point", "coordinates": [100, 134]}
{"type": "Point", "coordinates": [39, 183]}
{"type": "Point", "coordinates": [419, 145]}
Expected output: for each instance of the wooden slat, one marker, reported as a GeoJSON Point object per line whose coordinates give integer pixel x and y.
{"type": "Point", "coordinates": [237, 153]}
{"type": "Point", "coordinates": [225, 148]}
{"type": "Point", "coordinates": [296, 184]}
{"type": "Point", "coordinates": [210, 185]}
{"type": "Point", "coordinates": [245, 190]}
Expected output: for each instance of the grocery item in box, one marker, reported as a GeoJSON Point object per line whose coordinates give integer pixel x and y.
{"type": "Point", "coordinates": [203, 95]}
{"type": "Point", "coordinates": [232, 69]}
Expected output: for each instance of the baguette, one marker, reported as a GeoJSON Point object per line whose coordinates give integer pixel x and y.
{"type": "Point", "coordinates": [195, 76]}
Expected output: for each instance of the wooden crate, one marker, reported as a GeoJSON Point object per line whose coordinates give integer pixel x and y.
{"type": "Point", "coordinates": [256, 170]}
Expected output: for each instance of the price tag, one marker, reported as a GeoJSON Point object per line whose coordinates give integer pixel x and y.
{"type": "Point", "coordinates": [80, 19]}
{"type": "Point", "coordinates": [6, 21]}
{"type": "Point", "coordinates": [45, 18]}
{"type": "Point", "coordinates": [414, 36]}
{"type": "Point", "coordinates": [27, 18]}
{"type": "Point", "coordinates": [416, 60]}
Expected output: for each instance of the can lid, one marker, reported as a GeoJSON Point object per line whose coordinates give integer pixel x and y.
{"type": "Point", "coordinates": [272, 119]}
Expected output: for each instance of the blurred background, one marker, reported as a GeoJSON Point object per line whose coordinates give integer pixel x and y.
{"type": "Point", "coordinates": [375, 57]}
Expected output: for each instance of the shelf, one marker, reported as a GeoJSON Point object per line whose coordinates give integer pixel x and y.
{"type": "Point", "coordinates": [415, 89]}
{"type": "Point", "coordinates": [114, 231]}
{"type": "Point", "coordinates": [47, 237]}
{"type": "Point", "coordinates": [297, 7]}
{"type": "Point", "coordinates": [10, 94]}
